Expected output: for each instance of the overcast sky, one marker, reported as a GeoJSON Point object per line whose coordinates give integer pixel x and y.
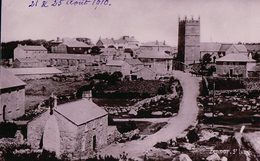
{"type": "Point", "coordinates": [147, 20]}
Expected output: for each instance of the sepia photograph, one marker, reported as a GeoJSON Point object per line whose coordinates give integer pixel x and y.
{"type": "Point", "coordinates": [130, 80]}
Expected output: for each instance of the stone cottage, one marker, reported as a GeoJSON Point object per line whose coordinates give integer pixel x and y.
{"type": "Point", "coordinates": [234, 65]}
{"type": "Point", "coordinates": [12, 96]}
{"type": "Point", "coordinates": [77, 129]}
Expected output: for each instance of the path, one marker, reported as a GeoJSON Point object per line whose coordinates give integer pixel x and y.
{"type": "Point", "coordinates": [154, 120]}
{"type": "Point", "coordinates": [176, 125]}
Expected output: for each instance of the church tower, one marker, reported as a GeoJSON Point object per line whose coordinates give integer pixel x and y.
{"type": "Point", "coordinates": [189, 41]}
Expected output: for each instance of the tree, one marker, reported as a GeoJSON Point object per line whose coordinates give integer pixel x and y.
{"type": "Point", "coordinates": [116, 76]}
{"type": "Point", "coordinates": [206, 58]}
{"type": "Point", "coordinates": [95, 50]}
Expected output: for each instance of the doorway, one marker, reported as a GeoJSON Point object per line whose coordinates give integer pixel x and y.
{"type": "Point", "coordinates": [231, 72]}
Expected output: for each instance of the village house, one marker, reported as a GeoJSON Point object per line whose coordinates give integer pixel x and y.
{"type": "Point", "coordinates": [143, 73]}
{"type": "Point", "coordinates": [54, 44]}
{"type": "Point", "coordinates": [27, 63]}
{"type": "Point", "coordinates": [34, 73]}
{"type": "Point", "coordinates": [127, 42]}
{"type": "Point", "coordinates": [135, 63]}
{"type": "Point", "coordinates": [106, 43]}
{"type": "Point", "coordinates": [118, 66]}
{"type": "Point", "coordinates": [29, 51]}
{"type": "Point", "coordinates": [78, 129]}
{"type": "Point", "coordinates": [121, 43]}
{"type": "Point", "coordinates": [12, 96]}
{"type": "Point", "coordinates": [64, 59]}
{"type": "Point", "coordinates": [234, 65]}
{"type": "Point", "coordinates": [72, 47]}
{"type": "Point", "coordinates": [156, 45]}
{"type": "Point", "coordinates": [107, 54]}
{"type": "Point", "coordinates": [226, 49]}
{"type": "Point", "coordinates": [158, 61]}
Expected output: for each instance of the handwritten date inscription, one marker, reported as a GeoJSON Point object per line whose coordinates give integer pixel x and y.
{"type": "Point", "coordinates": [57, 3]}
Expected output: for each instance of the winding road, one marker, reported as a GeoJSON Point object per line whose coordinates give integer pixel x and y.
{"type": "Point", "coordinates": [186, 117]}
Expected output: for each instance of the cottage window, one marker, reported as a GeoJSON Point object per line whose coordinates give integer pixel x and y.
{"type": "Point", "coordinates": [94, 143]}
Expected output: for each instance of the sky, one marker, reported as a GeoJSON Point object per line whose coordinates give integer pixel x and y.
{"type": "Point", "coordinates": [228, 21]}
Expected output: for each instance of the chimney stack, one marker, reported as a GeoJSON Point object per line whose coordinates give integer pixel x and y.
{"type": "Point", "coordinates": [87, 95]}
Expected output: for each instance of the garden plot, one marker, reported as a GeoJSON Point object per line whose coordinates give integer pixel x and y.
{"type": "Point", "coordinates": [225, 109]}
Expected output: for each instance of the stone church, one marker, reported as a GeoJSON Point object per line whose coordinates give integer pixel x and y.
{"type": "Point", "coordinates": [189, 41]}
{"type": "Point", "coordinates": [77, 129]}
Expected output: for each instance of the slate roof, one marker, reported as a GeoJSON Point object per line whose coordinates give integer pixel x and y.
{"type": "Point", "coordinates": [225, 47]}
{"type": "Point", "coordinates": [241, 48]}
{"type": "Point", "coordinates": [154, 54]}
{"type": "Point", "coordinates": [210, 46]}
{"type": "Point", "coordinates": [235, 58]}
{"type": "Point", "coordinates": [27, 60]}
{"type": "Point", "coordinates": [253, 47]}
{"type": "Point", "coordinates": [76, 44]}
{"type": "Point", "coordinates": [32, 48]}
{"type": "Point", "coordinates": [32, 71]}
{"type": "Point", "coordinates": [133, 62]}
{"type": "Point", "coordinates": [126, 39]}
{"type": "Point", "coordinates": [115, 63]}
{"type": "Point", "coordinates": [80, 111]}
{"type": "Point", "coordinates": [8, 79]}
{"type": "Point", "coordinates": [107, 41]}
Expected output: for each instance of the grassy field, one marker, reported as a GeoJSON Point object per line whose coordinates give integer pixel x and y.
{"type": "Point", "coordinates": [39, 90]}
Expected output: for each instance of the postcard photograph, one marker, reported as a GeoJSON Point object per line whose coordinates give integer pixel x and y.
{"type": "Point", "coordinates": [130, 80]}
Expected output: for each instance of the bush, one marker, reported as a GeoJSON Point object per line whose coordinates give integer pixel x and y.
{"type": "Point", "coordinates": [126, 126]}
{"type": "Point", "coordinates": [161, 145]}
{"type": "Point", "coordinates": [192, 136]}
{"type": "Point", "coordinates": [7, 130]}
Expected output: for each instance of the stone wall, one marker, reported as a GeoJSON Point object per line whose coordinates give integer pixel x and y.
{"type": "Point", "coordinates": [222, 69]}
{"type": "Point", "coordinates": [34, 76]}
{"type": "Point", "coordinates": [67, 130]}
{"type": "Point", "coordinates": [14, 102]}
{"type": "Point", "coordinates": [97, 128]}
{"type": "Point", "coordinates": [35, 130]}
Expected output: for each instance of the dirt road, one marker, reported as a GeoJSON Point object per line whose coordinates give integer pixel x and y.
{"type": "Point", "coordinates": [176, 125]}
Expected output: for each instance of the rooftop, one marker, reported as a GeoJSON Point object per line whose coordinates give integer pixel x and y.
{"type": "Point", "coordinates": [154, 54]}
{"type": "Point", "coordinates": [210, 46]}
{"type": "Point", "coordinates": [75, 43]}
{"type": "Point", "coordinates": [107, 41]}
{"type": "Point", "coordinates": [236, 58]}
{"type": "Point", "coordinates": [8, 79]}
{"type": "Point", "coordinates": [154, 43]}
{"type": "Point", "coordinates": [32, 47]}
{"type": "Point", "coordinates": [115, 63]}
{"type": "Point", "coordinates": [27, 60]}
{"type": "Point", "coordinates": [31, 71]}
{"type": "Point", "coordinates": [81, 111]}
{"type": "Point", "coordinates": [132, 61]}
